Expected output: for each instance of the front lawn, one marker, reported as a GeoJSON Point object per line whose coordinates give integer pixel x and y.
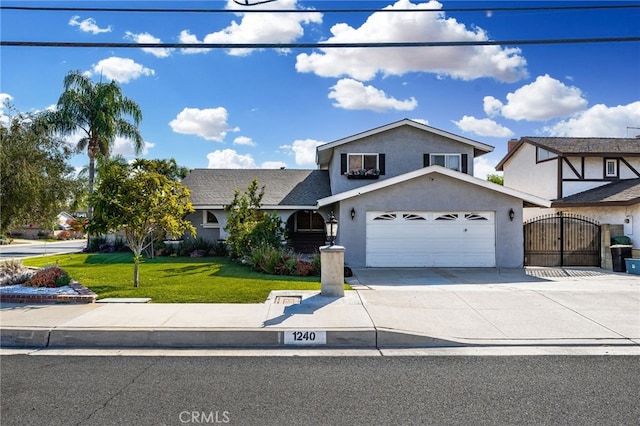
{"type": "Point", "coordinates": [174, 279]}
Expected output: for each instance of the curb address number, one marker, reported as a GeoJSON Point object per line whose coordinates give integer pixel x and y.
{"type": "Point", "coordinates": [305, 337]}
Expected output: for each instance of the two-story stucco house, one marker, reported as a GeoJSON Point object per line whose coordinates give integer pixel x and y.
{"type": "Point", "coordinates": [598, 178]}
{"type": "Point", "coordinates": [404, 195]}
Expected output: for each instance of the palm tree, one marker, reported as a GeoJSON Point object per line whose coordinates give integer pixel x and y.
{"type": "Point", "coordinates": [98, 111]}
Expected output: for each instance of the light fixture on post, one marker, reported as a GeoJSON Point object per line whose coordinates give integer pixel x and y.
{"type": "Point", "coordinates": [353, 213]}
{"type": "Point", "coordinates": [331, 228]}
{"type": "Point", "coordinates": [512, 214]}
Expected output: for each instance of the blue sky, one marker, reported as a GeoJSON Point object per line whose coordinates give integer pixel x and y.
{"type": "Point", "coordinates": [267, 108]}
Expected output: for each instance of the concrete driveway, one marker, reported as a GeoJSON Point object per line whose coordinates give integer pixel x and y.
{"type": "Point", "coordinates": [387, 278]}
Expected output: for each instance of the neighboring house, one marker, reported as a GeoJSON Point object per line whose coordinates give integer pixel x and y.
{"type": "Point", "coordinates": [598, 178]}
{"type": "Point", "coordinates": [404, 195]}
{"type": "Point", "coordinates": [64, 219]}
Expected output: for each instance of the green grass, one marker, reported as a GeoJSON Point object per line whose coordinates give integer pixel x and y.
{"type": "Point", "coordinates": [174, 279]}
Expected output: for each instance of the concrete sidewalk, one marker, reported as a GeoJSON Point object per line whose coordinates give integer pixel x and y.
{"type": "Point", "coordinates": [389, 308]}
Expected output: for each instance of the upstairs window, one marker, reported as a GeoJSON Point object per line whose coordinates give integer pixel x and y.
{"type": "Point", "coordinates": [450, 161]}
{"type": "Point", "coordinates": [611, 168]}
{"type": "Point", "coordinates": [543, 155]}
{"type": "Point", "coordinates": [365, 162]}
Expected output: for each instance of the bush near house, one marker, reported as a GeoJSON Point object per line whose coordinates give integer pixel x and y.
{"type": "Point", "coordinates": [49, 277]}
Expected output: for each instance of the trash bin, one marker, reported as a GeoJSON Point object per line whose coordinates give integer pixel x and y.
{"type": "Point", "coordinates": [620, 252]}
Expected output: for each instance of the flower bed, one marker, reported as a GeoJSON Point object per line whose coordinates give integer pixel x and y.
{"type": "Point", "coordinates": [72, 293]}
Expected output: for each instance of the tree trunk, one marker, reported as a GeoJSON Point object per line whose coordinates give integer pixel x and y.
{"type": "Point", "coordinates": [92, 172]}
{"type": "Point", "coordinates": [136, 264]}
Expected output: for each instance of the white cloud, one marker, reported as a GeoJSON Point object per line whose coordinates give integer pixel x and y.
{"type": "Point", "coordinates": [210, 123]}
{"type": "Point", "coordinates": [542, 100]}
{"type": "Point", "coordinates": [121, 70]}
{"type": "Point", "coordinates": [258, 27]}
{"type": "Point", "coordinates": [230, 159]}
{"type": "Point", "coordinates": [352, 94]}
{"type": "Point", "coordinates": [420, 120]}
{"type": "Point", "coordinates": [304, 151]}
{"type": "Point", "coordinates": [273, 165]}
{"type": "Point", "coordinates": [483, 127]}
{"type": "Point", "coordinates": [462, 62]}
{"type": "Point", "coordinates": [148, 38]}
{"type": "Point", "coordinates": [125, 147]}
{"type": "Point", "coordinates": [243, 140]}
{"type": "Point", "coordinates": [88, 25]}
{"type": "Point", "coordinates": [483, 167]}
{"type": "Point", "coordinates": [600, 121]}
{"type": "Point", "coordinates": [187, 37]}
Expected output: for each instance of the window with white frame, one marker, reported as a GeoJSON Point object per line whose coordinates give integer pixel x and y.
{"type": "Point", "coordinates": [209, 219]}
{"type": "Point", "coordinates": [450, 161]}
{"type": "Point", "coordinates": [542, 154]}
{"type": "Point", "coordinates": [359, 162]}
{"type": "Point", "coordinates": [611, 167]}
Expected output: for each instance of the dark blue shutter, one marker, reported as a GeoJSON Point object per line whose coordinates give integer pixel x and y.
{"type": "Point", "coordinates": [381, 163]}
{"type": "Point", "coordinates": [426, 160]}
{"type": "Point", "coordinates": [343, 164]}
{"type": "Point", "coordinates": [465, 168]}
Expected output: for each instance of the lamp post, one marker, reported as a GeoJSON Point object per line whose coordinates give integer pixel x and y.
{"type": "Point", "coordinates": [332, 261]}
{"type": "Point", "coordinates": [331, 228]}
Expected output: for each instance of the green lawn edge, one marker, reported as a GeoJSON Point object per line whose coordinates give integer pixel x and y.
{"type": "Point", "coordinates": [174, 279]}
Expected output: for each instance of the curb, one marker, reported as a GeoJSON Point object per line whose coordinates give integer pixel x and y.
{"type": "Point", "coordinates": [268, 338]}
{"type": "Point", "coordinates": [178, 338]}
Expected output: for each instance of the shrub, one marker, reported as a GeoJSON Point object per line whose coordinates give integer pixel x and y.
{"type": "Point", "coordinates": [14, 272]}
{"type": "Point", "coordinates": [220, 248]}
{"type": "Point", "coordinates": [304, 269]}
{"type": "Point", "coordinates": [280, 261]}
{"type": "Point", "coordinates": [49, 277]}
{"type": "Point", "coordinates": [95, 241]}
{"type": "Point", "coordinates": [188, 247]}
{"type": "Point", "coordinates": [64, 235]}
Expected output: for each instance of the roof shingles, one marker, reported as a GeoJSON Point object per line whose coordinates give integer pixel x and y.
{"type": "Point", "coordinates": [622, 192]}
{"type": "Point", "coordinates": [283, 187]}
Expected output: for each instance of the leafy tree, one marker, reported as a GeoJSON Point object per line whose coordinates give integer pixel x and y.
{"type": "Point", "coordinates": [248, 226]}
{"type": "Point", "coordinates": [36, 180]}
{"type": "Point", "coordinates": [98, 112]}
{"type": "Point", "coordinates": [141, 202]}
{"type": "Point", "coordinates": [496, 179]}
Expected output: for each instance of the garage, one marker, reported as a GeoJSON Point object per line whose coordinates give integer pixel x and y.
{"type": "Point", "coordinates": [430, 239]}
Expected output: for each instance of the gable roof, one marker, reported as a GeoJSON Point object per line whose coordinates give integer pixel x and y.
{"type": "Point", "coordinates": [284, 188]}
{"type": "Point", "coordinates": [323, 152]}
{"type": "Point", "coordinates": [587, 147]}
{"type": "Point", "coordinates": [528, 199]}
{"type": "Point", "coordinates": [619, 193]}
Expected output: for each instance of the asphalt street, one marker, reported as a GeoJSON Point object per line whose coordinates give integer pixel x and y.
{"type": "Point", "coordinates": [30, 249]}
{"type": "Point", "coordinates": [96, 390]}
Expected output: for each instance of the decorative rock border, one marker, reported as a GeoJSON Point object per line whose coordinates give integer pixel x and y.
{"type": "Point", "coordinates": [84, 295]}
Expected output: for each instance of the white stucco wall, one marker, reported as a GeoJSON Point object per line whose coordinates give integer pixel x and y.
{"type": "Point", "coordinates": [522, 172]}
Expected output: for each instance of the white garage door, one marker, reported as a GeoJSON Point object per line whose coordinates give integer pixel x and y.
{"type": "Point", "coordinates": [430, 239]}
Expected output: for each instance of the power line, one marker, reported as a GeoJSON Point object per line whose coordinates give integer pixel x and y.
{"type": "Point", "coordinates": [252, 10]}
{"type": "Point", "coordinates": [319, 45]}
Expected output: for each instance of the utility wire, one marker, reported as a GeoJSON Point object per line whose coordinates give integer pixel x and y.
{"type": "Point", "coordinates": [319, 45]}
{"type": "Point", "coordinates": [252, 10]}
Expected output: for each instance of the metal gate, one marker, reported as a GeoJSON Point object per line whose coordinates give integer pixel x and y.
{"type": "Point", "coordinates": [561, 239]}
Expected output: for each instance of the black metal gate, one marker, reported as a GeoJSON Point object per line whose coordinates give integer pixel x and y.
{"type": "Point", "coordinates": [561, 239]}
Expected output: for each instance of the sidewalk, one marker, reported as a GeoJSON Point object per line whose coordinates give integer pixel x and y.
{"type": "Point", "coordinates": [390, 308]}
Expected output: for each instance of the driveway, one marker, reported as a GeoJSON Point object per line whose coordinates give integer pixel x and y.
{"type": "Point", "coordinates": [414, 278]}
